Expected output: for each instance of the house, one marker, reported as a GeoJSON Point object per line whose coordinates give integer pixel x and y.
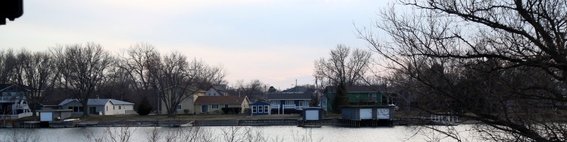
{"type": "Point", "coordinates": [221, 104]}
{"type": "Point", "coordinates": [186, 106]}
{"type": "Point", "coordinates": [13, 102]}
{"type": "Point", "coordinates": [286, 102]}
{"type": "Point", "coordinates": [99, 106]}
{"type": "Point", "coordinates": [357, 95]}
{"type": "Point", "coordinates": [217, 90]}
{"type": "Point", "coordinates": [260, 108]}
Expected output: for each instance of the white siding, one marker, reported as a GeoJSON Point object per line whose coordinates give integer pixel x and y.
{"type": "Point", "coordinates": [311, 114]}
{"type": "Point", "coordinates": [366, 113]}
{"type": "Point", "coordinates": [383, 113]}
{"type": "Point", "coordinates": [46, 116]}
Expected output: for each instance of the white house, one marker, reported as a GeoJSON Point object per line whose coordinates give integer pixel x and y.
{"type": "Point", "coordinates": [186, 106]}
{"type": "Point", "coordinates": [221, 104]}
{"type": "Point", "coordinates": [13, 102]}
{"type": "Point", "coordinates": [99, 106]}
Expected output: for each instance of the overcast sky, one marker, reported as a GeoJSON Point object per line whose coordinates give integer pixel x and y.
{"type": "Point", "coordinates": [275, 41]}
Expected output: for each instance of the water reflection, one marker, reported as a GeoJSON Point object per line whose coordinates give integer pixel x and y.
{"type": "Point", "coordinates": [222, 134]}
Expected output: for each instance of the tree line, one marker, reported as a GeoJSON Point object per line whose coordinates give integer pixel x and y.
{"type": "Point", "coordinates": [84, 71]}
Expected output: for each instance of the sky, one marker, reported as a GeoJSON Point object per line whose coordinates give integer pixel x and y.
{"type": "Point", "coordinates": [274, 41]}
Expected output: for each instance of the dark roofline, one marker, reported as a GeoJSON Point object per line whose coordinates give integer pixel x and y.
{"type": "Point", "coordinates": [359, 88]}
{"type": "Point", "coordinates": [10, 85]}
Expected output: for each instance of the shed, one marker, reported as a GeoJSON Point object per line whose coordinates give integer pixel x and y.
{"type": "Point", "coordinates": [312, 113]}
{"type": "Point", "coordinates": [50, 115]}
{"type": "Point", "coordinates": [260, 108]}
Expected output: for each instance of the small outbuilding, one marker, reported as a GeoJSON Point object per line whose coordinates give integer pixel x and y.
{"type": "Point", "coordinates": [361, 116]}
{"type": "Point", "coordinates": [312, 113]}
{"type": "Point", "coordinates": [367, 112]}
{"type": "Point", "coordinates": [50, 115]}
{"type": "Point", "coordinates": [260, 108]}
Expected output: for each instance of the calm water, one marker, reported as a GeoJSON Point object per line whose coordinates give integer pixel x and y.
{"type": "Point", "coordinates": [268, 133]}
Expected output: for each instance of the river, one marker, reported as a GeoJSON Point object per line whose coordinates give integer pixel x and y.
{"type": "Point", "coordinates": [240, 133]}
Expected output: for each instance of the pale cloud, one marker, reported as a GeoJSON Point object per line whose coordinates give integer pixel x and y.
{"type": "Point", "coordinates": [276, 66]}
{"type": "Point", "coordinates": [275, 41]}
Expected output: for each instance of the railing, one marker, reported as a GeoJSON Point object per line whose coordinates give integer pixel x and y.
{"type": "Point", "coordinates": [15, 116]}
{"type": "Point", "coordinates": [289, 107]}
{"type": "Point", "coordinates": [7, 99]}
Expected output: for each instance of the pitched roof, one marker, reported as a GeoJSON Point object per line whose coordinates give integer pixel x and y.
{"type": "Point", "coordinates": [97, 102]}
{"type": "Point", "coordinates": [260, 103]}
{"type": "Point", "coordinates": [219, 87]}
{"type": "Point", "coordinates": [373, 88]}
{"type": "Point", "coordinates": [289, 96]}
{"type": "Point", "coordinates": [300, 89]}
{"type": "Point", "coordinates": [3, 86]}
{"type": "Point", "coordinates": [229, 100]}
{"type": "Point", "coordinates": [14, 87]}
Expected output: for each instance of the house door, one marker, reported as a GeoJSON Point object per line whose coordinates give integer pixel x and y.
{"type": "Point", "coordinates": [204, 108]}
{"type": "Point", "coordinates": [92, 110]}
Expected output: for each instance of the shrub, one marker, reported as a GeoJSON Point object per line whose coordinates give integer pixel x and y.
{"type": "Point", "coordinates": [144, 108]}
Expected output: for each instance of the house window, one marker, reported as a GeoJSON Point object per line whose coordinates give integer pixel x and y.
{"type": "Point", "coordinates": [178, 107]}
{"type": "Point", "coordinates": [113, 107]}
{"type": "Point", "coordinates": [215, 106]}
{"type": "Point", "coordinates": [260, 109]}
{"type": "Point", "coordinates": [266, 110]}
{"type": "Point", "coordinates": [119, 107]}
{"type": "Point", "coordinates": [75, 108]}
{"type": "Point", "coordinates": [254, 108]}
{"type": "Point", "coordinates": [289, 102]}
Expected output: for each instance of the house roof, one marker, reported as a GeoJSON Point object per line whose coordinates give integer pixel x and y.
{"type": "Point", "coordinates": [373, 88]}
{"type": "Point", "coordinates": [218, 87]}
{"type": "Point", "coordinates": [289, 96]}
{"type": "Point", "coordinates": [229, 100]}
{"type": "Point", "coordinates": [3, 86]}
{"type": "Point", "coordinates": [221, 89]}
{"type": "Point", "coordinates": [14, 87]}
{"type": "Point", "coordinates": [300, 89]}
{"type": "Point", "coordinates": [97, 102]}
{"type": "Point", "coordinates": [260, 103]}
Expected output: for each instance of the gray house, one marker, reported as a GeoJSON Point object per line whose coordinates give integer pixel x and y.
{"type": "Point", "coordinates": [13, 101]}
{"type": "Point", "coordinates": [99, 106]}
{"type": "Point", "coordinates": [283, 102]}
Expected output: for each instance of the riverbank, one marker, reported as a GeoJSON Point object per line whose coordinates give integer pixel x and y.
{"type": "Point", "coordinates": [208, 120]}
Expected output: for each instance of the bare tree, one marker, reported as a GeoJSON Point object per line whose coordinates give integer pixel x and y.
{"type": "Point", "coordinates": [138, 62]}
{"type": "Point", "coordinates": [344, 68]}
{"type": "Point", "coordinates": [177, 79]}
{"type": "Point", "coordinates": [37, 71]}
{"type": "Point", "coordinates": [500, 63]}
{"type": "Point", "coordinates": [8, 62]}
{"type": "Point", "coordinates": [83, 67]}
{"type": "Point", "coordinates": [254, 89]}
{"type": "Point", "coordinates": [119, 134]}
